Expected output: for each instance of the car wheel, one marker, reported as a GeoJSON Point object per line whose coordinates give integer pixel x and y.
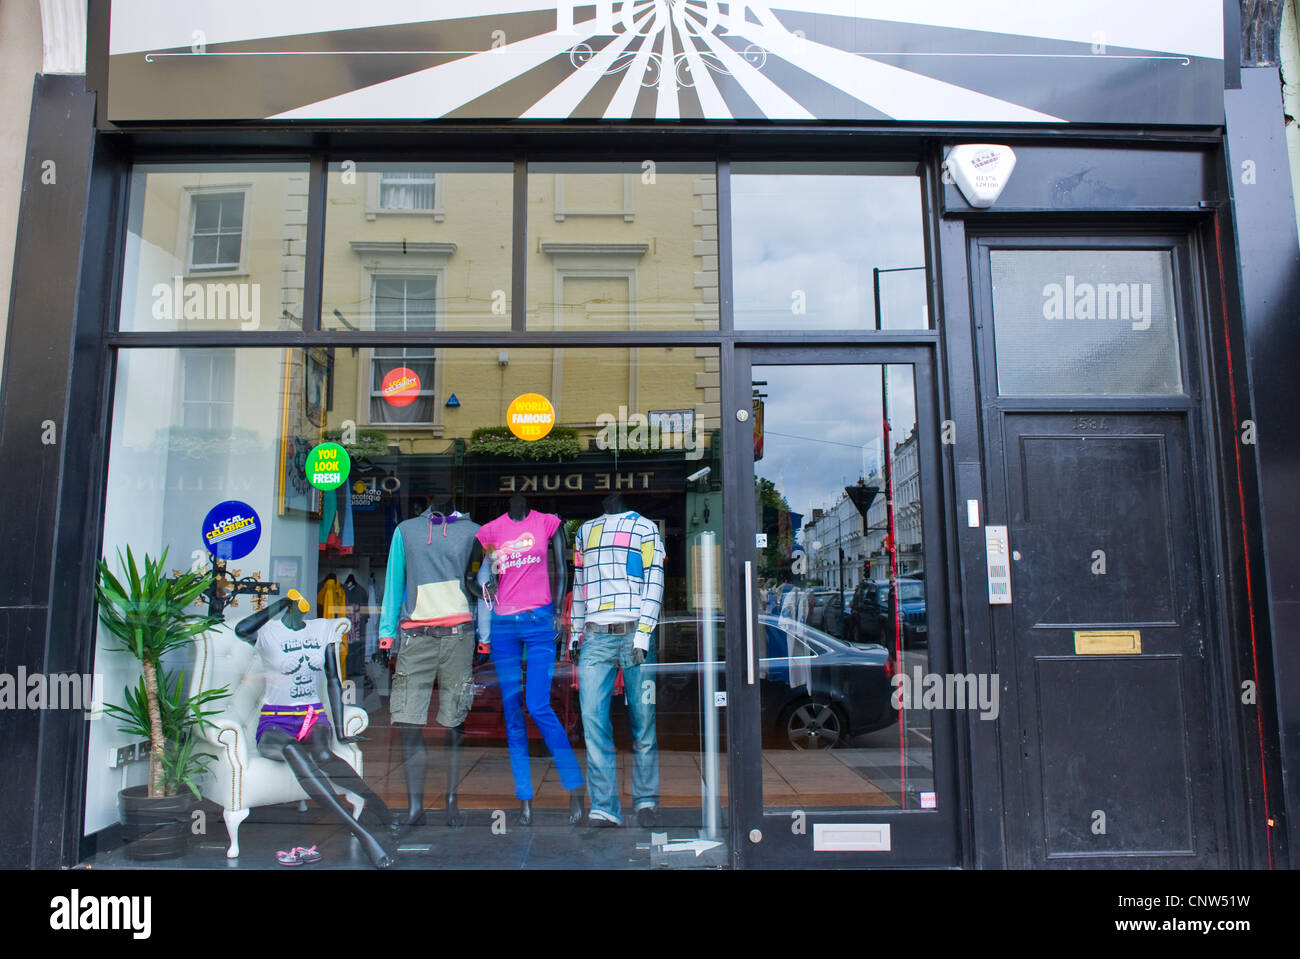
{"type": "Point", "coordinates": [812, 725]}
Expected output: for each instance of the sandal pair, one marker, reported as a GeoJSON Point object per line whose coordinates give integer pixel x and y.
{"type": "Point", "coordinates": [297, 856]}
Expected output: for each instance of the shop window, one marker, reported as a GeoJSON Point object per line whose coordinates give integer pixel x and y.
{"type": "Point", "coordinates": [215, 246]}
{"type": "Point", "coordinates": [1085, 323]}
{"type": "Point", "coordinates": [450, 220]}
{"type": "Point", "coordinates": [828, 246]}
{"type": "Point", "coordinates": [656, 224]}
{"type": "Point", "coordinates": [174, 478]}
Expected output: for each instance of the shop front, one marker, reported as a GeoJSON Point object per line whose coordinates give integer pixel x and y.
{"type": "Point", "coordinates": [622, 437]}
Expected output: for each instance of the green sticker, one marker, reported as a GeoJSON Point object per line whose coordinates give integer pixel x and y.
{"type": "Point", "coordinates": [328, 466]}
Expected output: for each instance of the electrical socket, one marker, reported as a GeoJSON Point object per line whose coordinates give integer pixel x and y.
{"type": "Point", "coordinates": [117, 755]}
{"type": "Point", "coordinates": [143, 748]}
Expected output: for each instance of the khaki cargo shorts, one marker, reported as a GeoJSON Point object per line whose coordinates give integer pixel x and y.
{"type": "Point", "coordinates": [425, 658]}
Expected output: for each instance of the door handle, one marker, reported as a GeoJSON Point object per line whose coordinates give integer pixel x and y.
{"type": "Point", "coordinates": [749, 621]}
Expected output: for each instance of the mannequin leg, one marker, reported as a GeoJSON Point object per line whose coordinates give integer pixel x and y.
{"type": "Point", "coordinates": [341, 775]}
{"type": "Point", "coordinates": [415, 763]}
{"type": "Point", "coordinates": [537, 699]}
{"type": "Point", "coordinates": [507, 655]}
{"type": "Point", "coordinates": [278, 744]}
{"type": "Point", "coordinates": [455, 745]}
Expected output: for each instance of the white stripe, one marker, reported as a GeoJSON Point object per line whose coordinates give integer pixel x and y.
{"type": "Point", "coordinates": [711, 101]}
{"type": "Point", "coordinates": [1188, 27]}
{"type": "Point", "coordinates": [573, 89]}
{"type": "Point", "coordinates": [667, 106]}
{"type": "Point", "coordinates": [139, 26]}
{"type": "Point", "coordinates": [624, 101]}
{"type": "Point", "coordinates": [896, 92]}
{"type": "Point", "coordinates": [439, 90]}
{"type": "Point", "coordinates": [774, 102]}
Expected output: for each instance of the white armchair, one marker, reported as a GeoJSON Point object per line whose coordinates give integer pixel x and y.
{"type": "Point", "coordinates": [239, 777]}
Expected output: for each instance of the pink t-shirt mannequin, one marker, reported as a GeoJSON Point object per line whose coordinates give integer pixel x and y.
{"type": "Point", "coordinates": [519, 551]}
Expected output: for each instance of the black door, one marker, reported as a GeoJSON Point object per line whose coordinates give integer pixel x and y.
{"type": "Point", "coordinates": [1090, 376]}
{"type": "Point", "coordinates": [1108, 639]}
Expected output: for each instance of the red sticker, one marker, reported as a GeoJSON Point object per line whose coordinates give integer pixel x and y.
{"type": "Point", "coordinates": [400, 387]}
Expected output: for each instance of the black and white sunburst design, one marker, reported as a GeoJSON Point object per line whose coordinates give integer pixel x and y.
{"type": "Point", "coordinates": [1148, 61]}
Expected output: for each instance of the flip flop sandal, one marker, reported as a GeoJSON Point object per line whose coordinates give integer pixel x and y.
{"type": "Point", "coordinates": [307, 854]}
{"type": "Point", "coordinates": [289, 858]}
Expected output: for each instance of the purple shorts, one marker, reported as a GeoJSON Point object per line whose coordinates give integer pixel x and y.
{"type": "Point", "coordinates": [290, 724]}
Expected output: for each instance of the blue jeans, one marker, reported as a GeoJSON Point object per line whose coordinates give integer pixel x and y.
{"type": "Point", "coordinates": [531, 634]}
{"type": "Point", "coordinates": [598, 665]}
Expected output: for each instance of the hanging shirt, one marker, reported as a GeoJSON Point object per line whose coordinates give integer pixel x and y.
{"type": "Point", "coordinates": [372, 620]}
{"type": "Point", "coordinates": [331, 602]}
{"type": "Point", "coordinates": [518, 552]}
{"type": "Point", "coordinates": [618, 573]}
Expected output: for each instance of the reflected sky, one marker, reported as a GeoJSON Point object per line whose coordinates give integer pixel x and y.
{"type": "Point", "coordinates": [823, 427]}
{"type": "Point", "coordinates": [810, 242]}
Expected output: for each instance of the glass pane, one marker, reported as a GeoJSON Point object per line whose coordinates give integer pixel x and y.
{"type": "Point", "coordinates": [195, 261]}
{"type": "Point", "coordinates": [828, 246]}
{"type": "Point", "coordinates": [640, 424]}
{"type": "Point", "coordinates": [841, 584]}
{"type": "Point", "coordinates": [448, 227]}
{"type": "Point", "coordinates": [207, 214]}
{"type": "Point", "coordinates": [621, 246]}
{"type": "Point", "coordinates": [1085, 322]}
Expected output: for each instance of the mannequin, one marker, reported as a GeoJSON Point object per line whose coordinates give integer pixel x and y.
{"type": "Point", "coordinates": [617, 595]}
{"type": "Point", "coordinates": [429, 591]}
{"type": "Point", "coordinates": [289, 729]}
{"type": "Point", "coordinates": [527, 551]}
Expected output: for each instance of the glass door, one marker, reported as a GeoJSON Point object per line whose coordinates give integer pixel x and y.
{"type": "Point", "coordinates": [844, 759]}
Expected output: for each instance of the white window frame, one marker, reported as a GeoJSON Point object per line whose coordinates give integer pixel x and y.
{"type": "Point", "coordinates": [186, 357]}
{"type": "Point", "coordinates": [185, 229]}
{"type": "Point", "coordinates": [383, 258]}
{"type": "Point", "coordinates": [374, 210]}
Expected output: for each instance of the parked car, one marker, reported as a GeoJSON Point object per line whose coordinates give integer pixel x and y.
{"type": "Point", "coordinates": [816, 691]}
{"type": "Point", "coordinates": [871, 614]}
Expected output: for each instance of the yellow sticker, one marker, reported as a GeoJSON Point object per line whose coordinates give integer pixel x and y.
{"type": "Point", "coordinates": [530, 416]}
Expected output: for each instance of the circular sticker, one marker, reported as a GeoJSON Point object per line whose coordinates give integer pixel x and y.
{"type": "Point", "coordinates": [328, 466]}
{"type": "Point", "coordinates": [231, 530]}
{"type": "Point", "coordinates": [530, 416]}
{"type": "Point", "coordinates": [400, 387]}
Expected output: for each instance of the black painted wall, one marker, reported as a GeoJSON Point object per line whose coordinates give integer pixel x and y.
{"type": "Point", "coordinates": [38, 403]}
{"type": "Point", "coordinates": [1269, 274]}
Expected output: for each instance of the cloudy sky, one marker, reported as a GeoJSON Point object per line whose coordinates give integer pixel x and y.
{"type": "Point", "coordinates": [805, 241]}
{"type": "Point", "coordinates": [817, 422]}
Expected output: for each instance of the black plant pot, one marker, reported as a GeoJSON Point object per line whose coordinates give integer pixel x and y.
{"type": "Point", "coordinates": [154, 828]}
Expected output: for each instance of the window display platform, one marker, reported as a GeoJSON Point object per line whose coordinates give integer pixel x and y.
{"type": "Point", "coordinates": [550, 843]}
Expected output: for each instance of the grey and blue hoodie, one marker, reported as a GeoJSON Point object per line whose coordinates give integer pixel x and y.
{"type": "Point", "coordinates": [425, 582]}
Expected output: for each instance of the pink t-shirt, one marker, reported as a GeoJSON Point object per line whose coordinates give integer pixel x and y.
{"type": "Point", "coordinates": [520, 549]}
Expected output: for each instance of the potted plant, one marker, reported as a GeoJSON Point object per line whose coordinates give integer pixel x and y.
{"type": "Point", "coordinates": [148, 615]}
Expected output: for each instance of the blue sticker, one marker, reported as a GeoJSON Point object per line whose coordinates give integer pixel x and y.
{"type": "Point", "coordinates": [231, 530]}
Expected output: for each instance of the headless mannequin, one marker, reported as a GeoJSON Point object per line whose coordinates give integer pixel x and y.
{"type": "Point", "coordinates": [318, 770]}
{"type": "Point", "coordinates": [415, 753]}
{"type": "Point", "coordinates": [517, 510]}
{"type": "Point", "coordinates": [611, 505]}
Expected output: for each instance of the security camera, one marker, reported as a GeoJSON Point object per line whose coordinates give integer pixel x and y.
{"type": "Point", "coordinates": [699, 474]}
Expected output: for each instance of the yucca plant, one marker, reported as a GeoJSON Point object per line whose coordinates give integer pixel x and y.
{"type": "Point", "coordinates": [148, 615]}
